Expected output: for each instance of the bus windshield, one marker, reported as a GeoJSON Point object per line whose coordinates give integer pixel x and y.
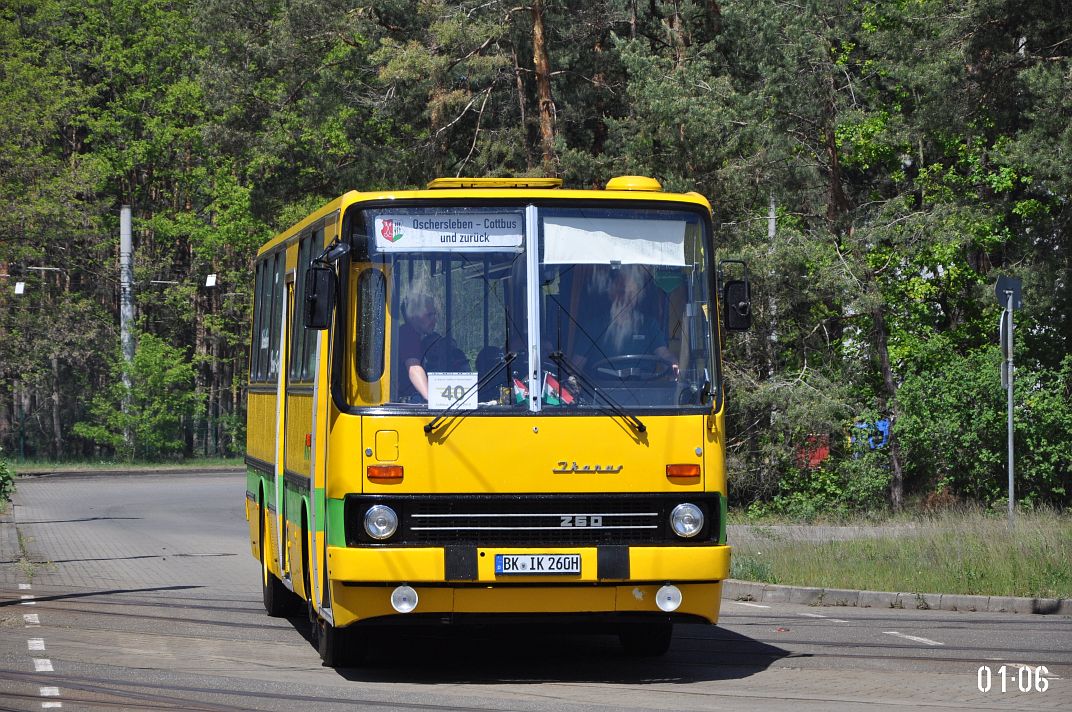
{"type": "Point", "coordinates": [552, 309]}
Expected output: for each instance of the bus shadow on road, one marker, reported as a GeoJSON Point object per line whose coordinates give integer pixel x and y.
{"type": "Point", "coordinates": [496, 654]}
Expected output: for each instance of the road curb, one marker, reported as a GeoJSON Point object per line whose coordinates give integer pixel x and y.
{"type": "Point", "coordinates": [143, 472]}
{"type": "Point", "coordinates": [735, 590]}
{"type": "Point", "coordinates": [9, 536]}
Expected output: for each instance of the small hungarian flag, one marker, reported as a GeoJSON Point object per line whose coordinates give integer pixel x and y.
{"type": "Point", "coordinates": [553, 392]}
{"type": "Point", "coordinates": [521, 391]}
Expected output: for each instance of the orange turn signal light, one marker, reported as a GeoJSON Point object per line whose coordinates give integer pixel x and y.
{"type": "Point", "coordinates": [682, 470]}
{"type": "Point", "coordinates": [388, 474]}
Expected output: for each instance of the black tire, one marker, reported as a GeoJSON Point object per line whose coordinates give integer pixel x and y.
{"type": "Point", "coordinates": [277, 599]}
{"type": "Point", "coordinates": [647, 639]}
{"type": "Point", "coordinates": [339, 647]}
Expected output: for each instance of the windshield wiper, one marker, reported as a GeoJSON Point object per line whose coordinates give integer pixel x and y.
{"type": "Point", "coordinates": [429, 427]}
{"type": "Point", "coordinates": [560, 358]}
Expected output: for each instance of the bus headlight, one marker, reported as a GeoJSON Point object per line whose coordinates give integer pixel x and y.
{"type": "Point", "coordinates": [686, 520]}
{"type": "Point", "coordinates": [381, 522]}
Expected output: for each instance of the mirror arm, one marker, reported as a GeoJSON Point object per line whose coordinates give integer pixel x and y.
{"type": "Point", "coordinates": [335, 251]}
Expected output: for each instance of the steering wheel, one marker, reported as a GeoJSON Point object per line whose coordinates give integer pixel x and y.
{"type": "Point", "coordinates": [634, 367]}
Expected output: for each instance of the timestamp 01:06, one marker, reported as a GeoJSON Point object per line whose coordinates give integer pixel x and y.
{"type": "Point", "coordinates": [1011, 678]}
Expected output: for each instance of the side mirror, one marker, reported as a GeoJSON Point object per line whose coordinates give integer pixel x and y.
{"type": "Point", "coordinates": [737, 305]}
{"type": "Point", "coordinates": [319, 296]}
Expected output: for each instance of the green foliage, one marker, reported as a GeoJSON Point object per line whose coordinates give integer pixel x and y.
{"type": "Point", "coordinates": [7, 481]}
{"type": "Point", "coordinates": [954, 429]}
{"type": "Point", "coordinates": [838, 489]}
{"type": "Point", "coordinates": [748, 567]}
{"type": "Point", "coordinates": [146, 420]}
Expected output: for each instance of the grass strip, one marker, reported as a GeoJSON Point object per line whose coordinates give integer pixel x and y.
{"type": "Point", "coordinates": [964, 553]}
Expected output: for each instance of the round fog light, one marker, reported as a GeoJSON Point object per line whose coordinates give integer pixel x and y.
{"type": "Point", "coordinates": [381, 522]}
{"type": "Point", "coordinates": [404, 599]}
{"type": "Point", "coordinates": [686, 520]}
{"type": "Point", "coordinates": [668, 598]}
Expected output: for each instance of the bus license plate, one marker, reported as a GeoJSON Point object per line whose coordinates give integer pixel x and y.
{"type": "Point", "coordinates": [536, 564]}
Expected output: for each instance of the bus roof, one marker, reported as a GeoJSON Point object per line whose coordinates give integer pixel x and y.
{"type": "Point", "coordinates": [621, 188]}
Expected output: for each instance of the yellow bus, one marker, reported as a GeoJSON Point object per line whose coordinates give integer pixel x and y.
{"type": "Point", "coordinates": [491, 399]}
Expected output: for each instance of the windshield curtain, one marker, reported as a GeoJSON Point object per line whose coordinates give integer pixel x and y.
{"type": "Point", "coordinates": [623, 306]}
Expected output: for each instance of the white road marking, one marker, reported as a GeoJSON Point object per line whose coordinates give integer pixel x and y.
{"type": "Point", "coordinates": [36, 643]}
{"type": "Point", "coordinates": [24, 587]}
{"type": "Point", "coordinates": [51, 692]}
{"type": "Point", "coordinates": [42, 665]}
{"type": "Point", "coordinates": [31, 619]}
{"type": "Point", "coordinates": [916, 638]}
{"type": "Point", "coordinates": [752, 605]}
{"type": "Point", "coordinates": [820, 615]}
{"type": "Point", "coordinates": [27, 600]}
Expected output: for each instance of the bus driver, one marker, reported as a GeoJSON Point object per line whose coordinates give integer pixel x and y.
{"type": "Point", "coordinates": [626, 328]}
{"type": "Point", "coordinates": [421, 349]}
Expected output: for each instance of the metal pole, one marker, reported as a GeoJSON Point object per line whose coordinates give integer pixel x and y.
{"type": "Point", "coordinates": [21, 415]}
{"type": "Point", "coordinates": [1012, 491]}
{"type": "Point", "coordinates": [126, 310]}
{"type": "Point", "coordinates": [126, 282]}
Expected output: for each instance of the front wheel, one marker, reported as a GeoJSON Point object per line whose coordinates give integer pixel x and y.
{"type": "Point", "coordinates": [340, 647]}
{"type": "Point", "coordinates": [647, 639]}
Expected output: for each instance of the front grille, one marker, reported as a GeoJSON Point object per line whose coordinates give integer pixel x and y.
{"type": "Point", "coordinates": [531, 520]}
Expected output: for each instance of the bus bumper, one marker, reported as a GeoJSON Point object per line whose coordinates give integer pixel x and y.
{"type": "Point", "coordinates": [363, 579]}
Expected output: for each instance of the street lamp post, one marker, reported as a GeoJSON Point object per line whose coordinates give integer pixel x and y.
{"type": "Point", "coordinates": [1008, 292]}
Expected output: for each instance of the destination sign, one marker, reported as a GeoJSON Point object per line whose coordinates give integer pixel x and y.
{"type": "Point", "coordinates": [468, 232]}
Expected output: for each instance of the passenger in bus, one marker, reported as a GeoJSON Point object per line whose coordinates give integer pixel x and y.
{"type": "Point", "coordinates": [422, 349]}
{"type": "Point", "coordinates": [623, 325]}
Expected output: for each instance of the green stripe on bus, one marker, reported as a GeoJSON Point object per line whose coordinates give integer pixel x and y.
{"type": "Point", "coordinates": [337, 530]}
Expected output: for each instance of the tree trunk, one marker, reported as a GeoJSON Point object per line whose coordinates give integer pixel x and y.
{"type": "Point", "coordinates": [521, 107]}
{"type": "Point", "coordinates": [838, 203]}
{"type": "Point", "coordinates": [542, 66]}
{"type": "Point", "coordinates": [57, 421]}
{"type": "Point", "coordinates": [888, 403]}
{"type": "Point", "coordinates": [679, 38]}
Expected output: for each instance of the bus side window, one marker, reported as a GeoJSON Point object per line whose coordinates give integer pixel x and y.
{"type": "Point", "coordinates": [255, 334]}
{"type": "Point", "coordinates": [310, 337]}
{"type": "Point", "coordinates": [274, 326]}
{"type": "Point", "coordinates": [371, 307]}
{"type": "Point", "coordinates": [261, 339]}
{"type": "Point", "coordinates": [297, 338]}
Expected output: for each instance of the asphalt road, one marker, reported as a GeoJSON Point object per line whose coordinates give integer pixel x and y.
{"type": "Point", "coordinates": [139, 593]}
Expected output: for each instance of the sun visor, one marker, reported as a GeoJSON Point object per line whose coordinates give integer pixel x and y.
{"type": "Point", "coordinates": [601, 241]}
